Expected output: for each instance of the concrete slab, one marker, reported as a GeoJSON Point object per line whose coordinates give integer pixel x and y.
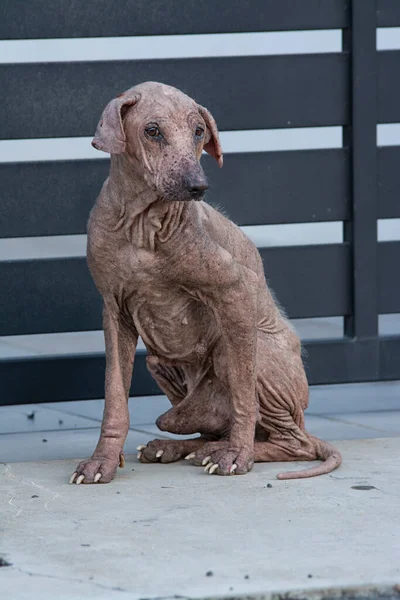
{"type": "Point", "coordinates": [387, 421]}
{"type": "Point", "coordinates": [334, 429]}
{"type": "Point", "coordinates": [142, 410]}
{"type": "Point", "coordinates": [28, 418]}
{"type": "Point", "coordinates": [354, 397]}
{"type": "Point", "coordinates": [158, 531]}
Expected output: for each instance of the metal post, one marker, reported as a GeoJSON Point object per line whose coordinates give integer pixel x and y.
{"type": "Point", "coordinates": [360, 137]}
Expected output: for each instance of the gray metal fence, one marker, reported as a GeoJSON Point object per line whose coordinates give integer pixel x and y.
{"type": "Point", "coordinates": [357, 184]}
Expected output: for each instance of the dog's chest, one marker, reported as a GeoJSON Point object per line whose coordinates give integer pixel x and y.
{"type": "Point", "coordinates": [172, 324]}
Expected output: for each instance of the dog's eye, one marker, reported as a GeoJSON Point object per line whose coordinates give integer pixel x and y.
{"type": "Point", "coordinates": [152, 131]}
{"type": "Point", "coordinates": [199, 133]}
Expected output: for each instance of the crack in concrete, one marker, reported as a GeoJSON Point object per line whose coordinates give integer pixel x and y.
{"type": "Point", "coordinates": [94, 583]}
{"type": "Point", "coordinates": [174, 597]}
{"type": "Point", "coordinates": [72, 579]}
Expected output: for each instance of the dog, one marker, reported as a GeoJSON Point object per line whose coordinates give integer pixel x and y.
{"type": "Point", "coordinates": [175, 271]}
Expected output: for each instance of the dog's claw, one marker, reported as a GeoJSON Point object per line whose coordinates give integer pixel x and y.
{"type": "Point", "coordinates": [141, 447]}
{"type": "Point", "coordinates": [80, 479]}
{"type": "Point", "coordinates": [233, 468]}
{"type": "Point", "coordinates": [121, 460]}
{"type": "Point", "coordinates": [207, 467]}
{"type": "Point", "coordinates": [206, 460]}
{"type": "Point", "coordinates": [190, 456]}
{"type": "Point", "coordinates": [73, 477]}
{"type": "Point", "coordinates": [97, 477]}
{"type": "Point", "coordinates": [213, 469]}
{"type": "Point", "coordinates": [139, 455]}
{"type": "Point", "coordinates": [159, 453]}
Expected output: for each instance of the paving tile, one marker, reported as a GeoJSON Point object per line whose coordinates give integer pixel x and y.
{"type": "Point", "coordinates": [14, 419]}
{"type": "Point", "coordinates": [354, 397]}
{"type": "Point", "coordinates": [92, 409]}
{"type": "Point", "coordinates": [146, 409]}
{"type": "Point", "coordinates": [142, 410]}
{"type": "Point", "coordinates": [79, 443]}
{"type": "Point", "coordinates": [328, 429]}
{"type": "Point", "coordinates": [379, 422]}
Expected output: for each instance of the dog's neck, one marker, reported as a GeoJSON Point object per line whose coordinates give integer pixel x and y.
{"type": "Point", "coordinates": [136, 210]}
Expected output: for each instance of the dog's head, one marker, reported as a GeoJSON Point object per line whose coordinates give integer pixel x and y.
{"type": "Point", "coordinates": [162, 132]}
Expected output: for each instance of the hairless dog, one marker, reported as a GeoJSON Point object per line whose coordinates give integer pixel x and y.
{"type": "Point", "coordinates": [178, 273]}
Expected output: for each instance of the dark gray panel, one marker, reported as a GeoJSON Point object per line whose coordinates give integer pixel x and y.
{"type": "Point", "coordinates": [310, 281]}
{"type": "Point", "coordinates": [389, 86]}
{"type": "Point", "coordinates": [67, 99]}
{"type": "Point", "coordinates": [388, 279]}
{"type": "Point", "coordinates": [389, 182]}
{"type": "Point", "coordinates": [55, 198]}
{"type": "Point", "coordinates": [47, 296]}
{"type": "Point", "coordinates": [50, 295]}
{"type": "Point", "coordinates": [388, 13]}
{"type": "Point", "coordinates": [390, 358]}
{"type": "Point", "coordinates": [58, 378]}
{"type": "Point", "coordinates": [342, 361]}
{"type": "Point", "coordinates": [49, 198]}
{"type": "Point", "coordinates": [282, 187]}
{"type": "Point", "coordinates": [95, 18]}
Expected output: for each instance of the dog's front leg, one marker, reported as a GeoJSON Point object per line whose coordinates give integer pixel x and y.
{"type": "Point", "coordinates": [121, 341]}
{"type": "Point", "coordinates": [234, 363]}
{"type": "Point", "coordinates": [230, 289]}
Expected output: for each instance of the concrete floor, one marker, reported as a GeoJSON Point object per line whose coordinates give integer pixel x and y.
{"type": "Point", "coordinates": [157, 530]}
{"type": "Point", "coordinates": [163, 531]}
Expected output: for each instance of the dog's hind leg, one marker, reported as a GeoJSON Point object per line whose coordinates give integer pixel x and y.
{"type": "Point", "coordinates": [282, 392]}
{"type": "Point", "coordinates": [170, 379]}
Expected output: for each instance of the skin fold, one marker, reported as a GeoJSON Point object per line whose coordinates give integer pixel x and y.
{"type": "Point", "coordinates": [177, 272]}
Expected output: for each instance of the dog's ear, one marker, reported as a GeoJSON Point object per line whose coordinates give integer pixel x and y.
{"type": "Point", "coordinates": [212, 144]}
{"type": "Point", "coordinates": [110, 135]}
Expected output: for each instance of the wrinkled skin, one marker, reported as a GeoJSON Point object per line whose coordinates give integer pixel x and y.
{"type": "Point", "coordinates": [175, 271]}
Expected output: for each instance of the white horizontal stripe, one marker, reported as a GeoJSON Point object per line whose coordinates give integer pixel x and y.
{"type": "Point", "coordinates": [173, 46]}
{"type": "Point", "coordinates": [263, 140]}
{"type": "Point", "coordinates": [388, 134]}
{"type": "Point", "coordinates": [388, 230]}
{"type": "Point", "coordinates": [389, 324]}
{"type": "Point", "coordinates": [295, 234]}
{"type": "Point", "coordinates": [52, 246]}
{"type": "Point", "coordinates": [290, 234]}
{"type": "Point", "coordinates": [232, 141]}
{"type": "Point", "coordinates": [388, 38]}
{"type": "Point", "coordinates": [58, 246]}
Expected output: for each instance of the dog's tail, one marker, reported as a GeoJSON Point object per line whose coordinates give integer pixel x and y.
{"type": "Point", "coordinates": [326, 452]}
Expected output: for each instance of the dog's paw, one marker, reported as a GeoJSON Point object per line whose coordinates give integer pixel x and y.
{"type": "Point", "coordinates": [97, 470]}
{"type": "Point", "coordinates": [220, 458]}
{"type": "Point", "coordinates": [164, 451]}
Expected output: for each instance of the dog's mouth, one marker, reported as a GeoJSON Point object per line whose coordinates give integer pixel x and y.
{"type": "Point", "coordinates": [197, 195]}
{"type": "Point", "coordinates": [184, 196]}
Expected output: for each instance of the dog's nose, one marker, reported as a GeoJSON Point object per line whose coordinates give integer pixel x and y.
{"type": "Point", "coordinates": [198, 187]}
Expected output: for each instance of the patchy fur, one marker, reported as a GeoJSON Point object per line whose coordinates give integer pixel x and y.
{"type": "Point", "coordinates": [177, 272]}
